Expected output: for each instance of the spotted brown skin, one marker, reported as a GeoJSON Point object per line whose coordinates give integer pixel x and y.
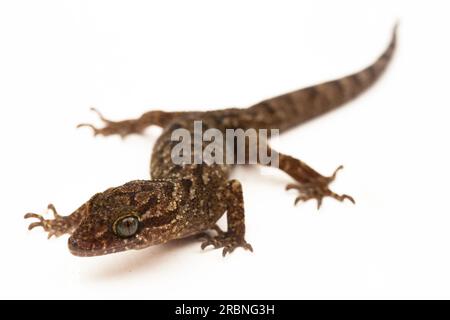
{"type": "Point", "coordinates": [184, 200]}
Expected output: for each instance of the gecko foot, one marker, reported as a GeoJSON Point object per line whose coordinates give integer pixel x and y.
{"type": "Point", "coordinates": [224, 240]}
{"type": "Point", "coordinates": [318, 189]}
{"type": "Point", "coordinates": [55, 227]}
{"type": "Point", "coordinates": [122, 128]}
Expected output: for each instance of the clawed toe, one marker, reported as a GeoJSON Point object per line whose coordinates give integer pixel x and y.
{"type": "Point", "coordinates": [32, 225]}
{"type": "Point", "coordinates": [55, 227]}
{"type": "Point", "coordinates": [100, 115]}
{"type": "Point", "coordinates": [208, 242]}
{"type": "Point", "coordinates": [333, 176]}
{"type": "Point", "coordinates": [95, 130]}
{"type": "Point", "coordinates": [42, 222]}
{"type": "Point", "coordinates": [35, 224]}
{"type": "Point", "coordinates": [304, 198]}
{"type": "Point", "coordinates": [39, 223]}
{"type": "Point", "coordinates": [121, 128]}
{"type": "Point", "coordinates": [228, 242]}
{"type": "Point", "coordinates": [230, 248]}
{"type": "Point", "coordinates": [316, 191]}
{"type": "Point", "coordinates": [33, 215]}
{"type": "Point", "coordinates": [343, 197]}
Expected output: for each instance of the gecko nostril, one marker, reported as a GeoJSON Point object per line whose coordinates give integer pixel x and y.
{"type": "Point", "coordinates": [73, 242]}
{"type": "Point", "coordinates": [77, 244]}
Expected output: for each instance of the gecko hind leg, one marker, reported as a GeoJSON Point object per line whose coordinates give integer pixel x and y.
{"type": "Point", "coordinates": [309, 183]}
{"type": "Point", "coordinates": [234, 237]}
{"type": "Point", "coordinates": [59, 225]}
{"type": "Point", "coordinates": [130, 126]}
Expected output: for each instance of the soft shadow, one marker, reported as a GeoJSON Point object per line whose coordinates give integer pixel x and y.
{"type": "Point", "coordinates": [133, 262]}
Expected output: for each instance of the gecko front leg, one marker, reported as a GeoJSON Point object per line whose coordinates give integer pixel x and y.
{"type": "Point", "coordinates": [235, 235]}
{"type": "Point", "coordinates": [130, 126]}
{"type": "Point", "coordinates": [60, 224]}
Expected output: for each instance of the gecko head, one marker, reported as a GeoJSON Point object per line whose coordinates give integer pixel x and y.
{"type": "Point", "coordinates": [131, 216]}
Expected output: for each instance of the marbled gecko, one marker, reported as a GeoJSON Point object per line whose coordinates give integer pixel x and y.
{"type": "Point", "coordinates": [183, 200]}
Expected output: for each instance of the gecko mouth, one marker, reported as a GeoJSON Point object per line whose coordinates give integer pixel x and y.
{"type": "Point", "coordinates": [82, 248]}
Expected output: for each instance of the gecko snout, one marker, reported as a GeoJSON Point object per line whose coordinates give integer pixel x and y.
{"type": "Point", "coordinates": [79, 247]}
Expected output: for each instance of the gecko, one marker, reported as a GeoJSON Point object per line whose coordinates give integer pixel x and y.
{"type": "Point", "coordinates": [180, 201]}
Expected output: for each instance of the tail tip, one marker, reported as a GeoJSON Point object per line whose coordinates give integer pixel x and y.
{"type": "Point", "coordinates": [396, 26]}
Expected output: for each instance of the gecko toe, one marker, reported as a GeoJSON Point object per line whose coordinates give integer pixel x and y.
{"type": "Point", "coordinates": [226, 250]}
{"type": "Point", "coordinates": [316, 191]}
{"type": "Point", "coordinates": [342, 197]}
{"type": "Point", "coordinates": [248, 246]}
{"type": "Point", "coordinates": [54, 227]}
{"type": "Point", "coordinates": [204, 245]}
{"type": "Point", "coordinates": [228, 242]}
{"type": "Point", "coordinates": [121, 128]}
{"type": "Point", "coordinates": [300, 199]}
{"type": "Point", "coordinates": [35, 224]}
{"type": "Point", "coordinates": [333, 176]}
{"type": "Point", "coordinates": [319, 202]}
{"type": "Point", "coordinates": [51, 207]}
{"type": "Point", "coordinates": [33, 215]}
{"type": "Point", "coordinates": [229, 248]}
{"type": "Point", "coordinates": [349, 198]}
{"type": "Point", "coordinates": [96, 131]}
{"type": "Point", "coordinates": [39, 223]}
{"type": "Point", "coordinates": [292, 186]}
{"type": "Point", "coordinates": [209, 242]}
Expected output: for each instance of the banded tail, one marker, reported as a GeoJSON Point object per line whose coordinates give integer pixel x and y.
{"type": "Point", "coordinates": [291, 109]}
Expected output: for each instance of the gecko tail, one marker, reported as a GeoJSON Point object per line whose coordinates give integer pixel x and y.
{"type": "Point", "coordinates": [294, 108]}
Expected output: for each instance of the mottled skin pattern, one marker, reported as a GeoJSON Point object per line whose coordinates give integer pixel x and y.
{"type": "Point", "coordinates": [184, 200]}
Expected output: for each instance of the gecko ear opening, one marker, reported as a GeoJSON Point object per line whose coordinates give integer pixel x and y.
{"type": "Point", "coordinates": [126, 226]}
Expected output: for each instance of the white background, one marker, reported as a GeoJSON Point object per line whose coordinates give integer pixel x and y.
{"type": "Point", "coordinates": [58, 58]}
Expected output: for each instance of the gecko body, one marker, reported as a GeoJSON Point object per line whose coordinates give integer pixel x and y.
{"type": "Point", "coordinates": [184, 200]}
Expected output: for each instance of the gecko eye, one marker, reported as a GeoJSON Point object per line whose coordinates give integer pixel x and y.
{"type": "Point", "coordinates": [126, 226]}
